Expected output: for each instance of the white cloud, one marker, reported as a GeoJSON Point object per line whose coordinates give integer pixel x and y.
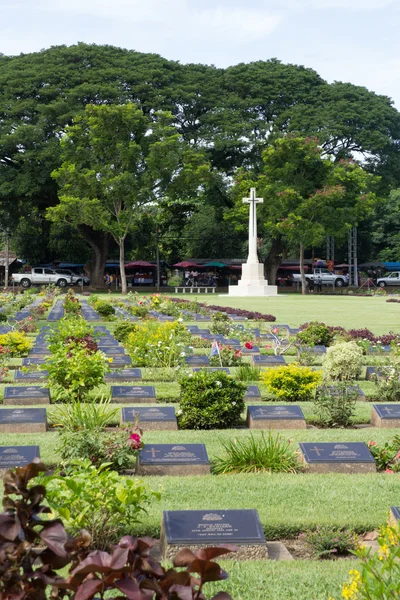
{"type": "Point", "coordinates": [349, 5]}
{"type": "Point", "coordinates": [247, 25]}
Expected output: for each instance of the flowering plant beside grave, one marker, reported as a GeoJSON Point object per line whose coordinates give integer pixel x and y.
{"type": "Point", "coordinates": [155, 344]}
{"type": "Point", "coordinates": [387, 455]}
{"type": "Point", "coordinates": [230, 357]}
{"type": "Point", "coordinates": [16, 342]}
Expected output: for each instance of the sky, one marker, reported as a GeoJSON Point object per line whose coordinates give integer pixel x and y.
{"type": "Point", "coordinates": [355, 41]}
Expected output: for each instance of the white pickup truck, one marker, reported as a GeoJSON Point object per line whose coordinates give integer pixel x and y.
{"type": "Point", "coordinates": [327, 277]}
{"type": "Point", "coordinates": [45, 276]}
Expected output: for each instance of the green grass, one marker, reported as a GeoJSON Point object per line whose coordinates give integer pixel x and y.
{"type": "Point", "coordinates": [292, 580]}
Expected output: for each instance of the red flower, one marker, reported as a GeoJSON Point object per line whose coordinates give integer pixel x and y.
{"type": "Point", "coordinates": [135, 440]}
{"type": "Point", "coordinates": [371, 443]}
{"type": "Point", "coordinates": [389, 471]}
{"type": "Point", "coordinates": [248, 345]}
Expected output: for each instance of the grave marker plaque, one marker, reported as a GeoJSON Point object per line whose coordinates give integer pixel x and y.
{"type": "Point", "coordinates": [124, 375]}
{"type": "Point", "coordinates": [140, 393]}
{"type": "Point", "coordinates": [151, 418]}
{"type": "Point", "coordinates": [23, 420]}
{"type": "Point", "coordinates": [275, 417]}
{"type": "Point", "coordinates": [33, 362]}
{"type": "Point", "coordinates": [252, 391]}
{"type": "Point", "coordinates": [268, 361]}
{"type": "Point", "coordinates": [173, 459]}
{"type": "Point", "coordinates": [327, 457]}
{"type": "Point", "coordinates": [29, 376]}
{"type": "Point", "coordinates": [26, 395]}
{"type": "Point", "coordinates": [198, 317]}
{"type": "Point", "coordinates": [231, 342]}
{"type": "Point", "coordinates": [253, 350]}
{"type": "Point", "coordinates": [201, 332]}
{"type": "Point", "coordinates": [212, 369]}
{"type": "Point", "coordinates": [385, 415]}
{"type": "Point", "coordinates": [314, 349]}
{"type": "Point", "coordinates": [17, 456]}
{"type": "Point", "coordinates": [120, 360]}
{"type": "Point", "coordinates": [374, 372]}
{"type": "Point", "coordinates": [333, 390]}
{"type": "Point", "coordinates": [197, 360]}
{"type": "Point", "coordinates": [201, 528]}
{"type": "Point", "coordinates": [112, 350]}
{"type": "Point", "coordinates": [394, 516]}
{"type": "Point", "coordinates": [108, 341]}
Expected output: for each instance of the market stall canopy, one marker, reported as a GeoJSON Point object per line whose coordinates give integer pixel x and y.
{"type": "Point", "coordinates": [373, 265]}
{"type": "Point", "coordinates": [139, 263]}
{"type": "Point", "coordinates": [186, 264]}
{"type": "Point", "coordinates": [215, 263]}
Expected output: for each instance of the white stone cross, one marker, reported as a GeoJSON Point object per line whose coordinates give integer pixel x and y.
{"type": "Point", "coordinates": [253, 200]}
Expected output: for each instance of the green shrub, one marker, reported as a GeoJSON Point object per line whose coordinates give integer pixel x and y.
{"type": "Point", "coordinates": [123, 329]}
{"type": "Point", "coordinates": [330, 541]}
{"type": "Point", "coordinates": [343, 362]}
{"type": "Point", "coordinates": [386, 455]}
{"type": "Point", "coordinates": [104, 309]}
{"type": "Point", "coordinates": [68, 327]}
{"type": "Point", "coordinates": [292, 382]}
{"type": "Point", "coordinates": [97, 500]}
{"type": "Point", "coordinates": [78, 415]}
{"type": "Point", "coordinates": [118, 447]}
{"type": "Point", "coordinates": [378, 576]}
{"type": "Point", "coordinates": [156, 344]}
{"type": "Point", "coordinates": [388, 383]}
{"type": "Point", "coordinates": [16, 342]}
{"type": "Point", "coordinates": [255, 455]}
{"type": "Point", "coordinates": [138, 311]}
{"type": "Point", "coordinates": [316, 334]}
{"type": "Point", "coordinates": [220, 324]}
{"type": "Point", "coordinates": [3, 317]}
{"type": "Point", "coordinates": [71, 304]}
{"type": "Point", "coordinates": [210, 401]}
{"type": "Point", "coordinates": [336, 407]}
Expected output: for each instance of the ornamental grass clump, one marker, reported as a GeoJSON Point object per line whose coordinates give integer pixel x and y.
{"type": "Point", "coordinates": [210, 401]}
{"type": "Point", "coordinates": [336, 405]}
{"type": "Point", "coordinates": [330, 541]}
{"type": "Point", "coordinates": [291, 382]}
{"type": "Point", "coordinates": [265, 453]}
{"type": "Point", "coordinates": [342, 362]}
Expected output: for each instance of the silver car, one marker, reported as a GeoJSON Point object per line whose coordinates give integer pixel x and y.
{"type": "Point", "coordinates": [389, 279]}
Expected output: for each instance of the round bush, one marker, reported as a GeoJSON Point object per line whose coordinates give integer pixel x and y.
{"type": "Point", "coordinates": [292, 382]}
{"type": "Point", "coordinates": [104, 308]}
{"type": "Point", "coordinates": [343, 362]}
{"type": "Point", "coordinates": [316, 334]}
{"type": "Point", "coordinates": [210, 401]}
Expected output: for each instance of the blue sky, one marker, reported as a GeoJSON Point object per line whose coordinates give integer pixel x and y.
{"type": "Point", "coordinates": [343, 40]}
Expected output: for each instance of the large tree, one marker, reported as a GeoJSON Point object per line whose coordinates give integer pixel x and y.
{"type": "Point", "coordinates": [306, 195]}
{"type": "Point", "coordinates": [117, 160]}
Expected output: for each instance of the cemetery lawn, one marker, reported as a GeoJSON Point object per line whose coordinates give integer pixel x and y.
{"type": "Point", "coordinates": [351, 312]}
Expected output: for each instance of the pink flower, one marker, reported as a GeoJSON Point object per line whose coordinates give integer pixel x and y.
{"type": "Point", "coordinates": [397, 455]}
{"type": "Point", "coordinates": [135, 440]}
{"type": "Point", "coordinates": [248, 345]}
{"type": "Point", "coordinates": [371, 443]}
{"type": "Point", "coordinates": [267, 347]}
{"type": "Point", "coordinates": [389, 471]}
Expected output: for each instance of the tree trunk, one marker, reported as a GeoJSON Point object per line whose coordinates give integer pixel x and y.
{"type": "Point", "coordinates": [273, 261]}
{"type": "Point", "coordinates": [99, 242]}
{"type": "Point", "coordinates": [121, 244]}
{"type": "Point", "coordinates": [303, 277]}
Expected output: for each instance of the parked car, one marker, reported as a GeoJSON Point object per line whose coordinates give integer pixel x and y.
{"type": "Point", "coordinates": [327, 277]}
{"type": "Point", "coordinates": [45, 276]}
{"type": "Point", "coordinates": [389, 279]}
{"type": "Point", "coordinates": [73, 277]}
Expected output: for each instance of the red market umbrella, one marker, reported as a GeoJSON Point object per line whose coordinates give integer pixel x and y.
{"type": "Point", "coordinates": [139, 263]}
{"type": "Point", "coordinates": [186, 264]}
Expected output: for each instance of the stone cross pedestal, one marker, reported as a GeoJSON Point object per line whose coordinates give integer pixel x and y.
{"type": "Point", "coordinates": [253, 282]}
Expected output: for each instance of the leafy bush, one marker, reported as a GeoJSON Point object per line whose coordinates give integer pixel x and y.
{"type": "Point", "coordinates": [388, 383]}
{"type": "Point", "coordinates": [292, 382]}
{"type": "Point", "coordinates": [67, 327]}
{"type": "Point", "coordinates": [343, 362]}
{"type": "Point", "coordinates": [104, 309]}
{"type": "Point", "coordinates": [123, 329]}
{"type": "Point", "coordinates": [96, 499]}
{"type": "Point", "coordinates": [210, 401]}
{"type": "Point", "coordinates": [329, 541]}
{"type": "Point", "coordinates": [157, 344]}
{"type": "Point", "coordinates": [118, 448]}
{"type": "Point", "coordinates": [247, 372]}
{"type": "Point", "coordinates": [3, 317]}
{"type": "Point", "coordinates": [72, 306]}
{"type": "Point", "coordinates": [221, 323]}
{"type": "Point", "coordinates": [379, 574]}
{"type": "Point", "coordinates": [33, 551]}
{"type": "Point", "coordinates": [254, 455]}
{"type": "Point", "coordinates": [306, 357]}
{"type": "Point", "coordinates": [77, 415]}
{"type": "Point", "coordinates": [75, 370]}
{"type": "Point", "coordinates": [386, 455]}
{"type": "Point", "coordinates": [16, 342]}
{"type": "Point", "coordinates": [230, 357]}
{"type": "Point", "coordinates": [140, 311]}
{"type": "Point", "coordinates": [336, 407]}
{"type": "Point", "coordinates": [27, 325]}
{"type": "Point", "coordinates": [316, 334]}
